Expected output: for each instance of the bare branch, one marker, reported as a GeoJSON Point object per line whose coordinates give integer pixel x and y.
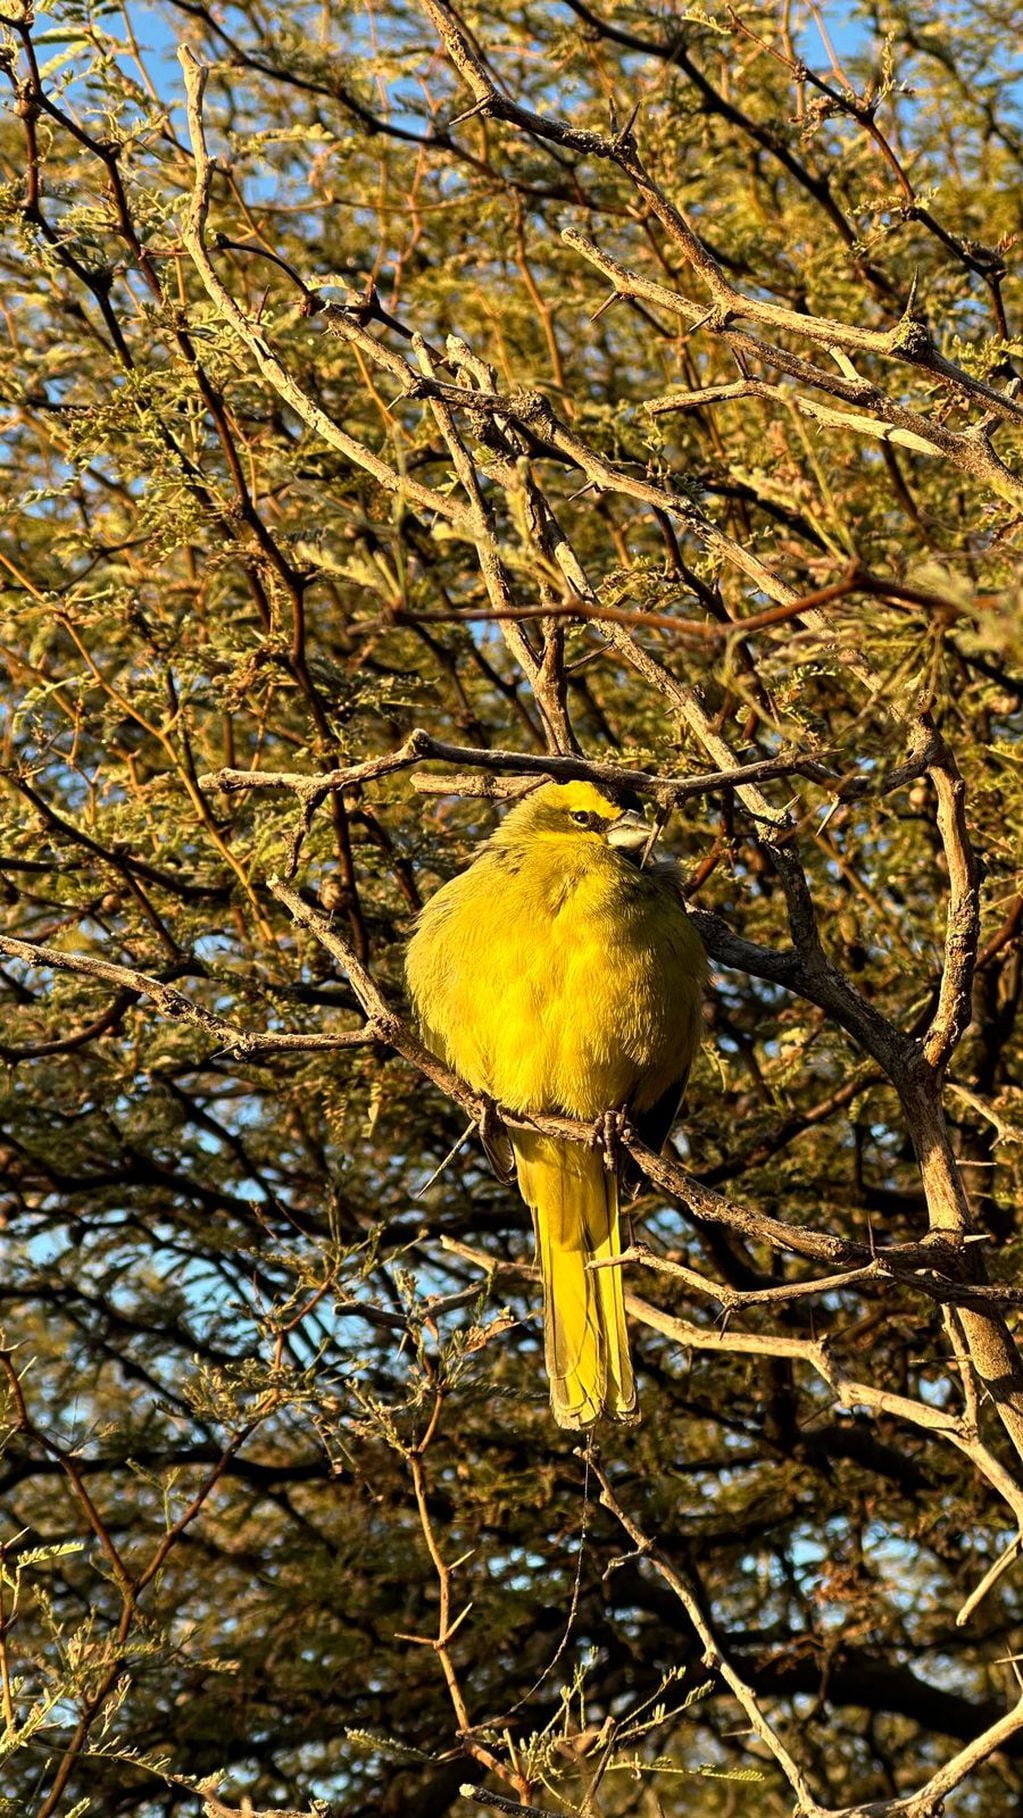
{"type": "Point", "coordinates": [553, 767]}
{"type": "Point", "coordinates": [179, 1008]}
{"type": "Point", "coordinates": [886, 419]}
{"type": "Point", "coordinates": [849, 1392]}
{"type": "Point", "coordinates": [713, 1656]}
{"type": "Point", "coordinates": [962, 924]}
{"type": "Point", "coordinates": [925, 1803]}
{"type": "Point", "coordinates": [908, 341]}
{"type": "Point", "coordinates": [194, 235]}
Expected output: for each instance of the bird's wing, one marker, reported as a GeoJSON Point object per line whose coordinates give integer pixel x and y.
{"type": "Point", "coordinates": [653, 1127]}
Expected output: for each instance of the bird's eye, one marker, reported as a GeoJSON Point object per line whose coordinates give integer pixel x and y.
{"type": "Point", "coordinates": [582, 819]}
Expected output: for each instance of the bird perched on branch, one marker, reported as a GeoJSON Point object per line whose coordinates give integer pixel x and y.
{"type": "Point", "coordinates": [560, 974]}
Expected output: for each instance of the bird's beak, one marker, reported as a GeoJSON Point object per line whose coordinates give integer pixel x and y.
{"type": "Point", "coordinates": [630, 832]}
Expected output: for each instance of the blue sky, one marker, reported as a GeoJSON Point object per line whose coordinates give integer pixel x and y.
{"type": "Point", "coordinates": [159, 31]}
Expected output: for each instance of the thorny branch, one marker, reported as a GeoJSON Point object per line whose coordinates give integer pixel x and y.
{"type": "Point", "coordinates": [178, 1008]}
{"type": "Point", "coordinates": [419, 745]}
{"type": "Point", "coordinates": [447, 1624]}
{"type": "Point", "coordinates": [927, 1802]}
{"type": "Point", "coordinates": [906, 341]}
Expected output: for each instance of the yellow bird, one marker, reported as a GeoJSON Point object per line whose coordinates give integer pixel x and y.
{"type": "Point", "coordinates": [559, 975]}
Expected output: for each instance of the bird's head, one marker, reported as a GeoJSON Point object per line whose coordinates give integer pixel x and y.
{"type": "Point", "coordinates": [576, 812]}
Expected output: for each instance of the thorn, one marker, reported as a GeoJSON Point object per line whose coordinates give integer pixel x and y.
{"type": "Point", "coordinates": [622, 138]}
{"type": "Point", "coordinates": [442, 1640]}
{"type": "Point", "coordinates": [420, 1192]}
{"type": "Point", "coordinates": [615, 297]}
{"type": "Point", "coordinates": [694, 327]}
{"type": "Point", "coordinates": [479, 107]}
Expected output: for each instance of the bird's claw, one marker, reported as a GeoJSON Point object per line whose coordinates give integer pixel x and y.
{"type": "Point", "coordinates": [608, 1132]}
{"type": "Point", "coordinates": [494, 1137]}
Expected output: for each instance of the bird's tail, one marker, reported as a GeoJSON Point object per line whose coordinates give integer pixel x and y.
{"type": "Point", "coordinates": [574, 1201]}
